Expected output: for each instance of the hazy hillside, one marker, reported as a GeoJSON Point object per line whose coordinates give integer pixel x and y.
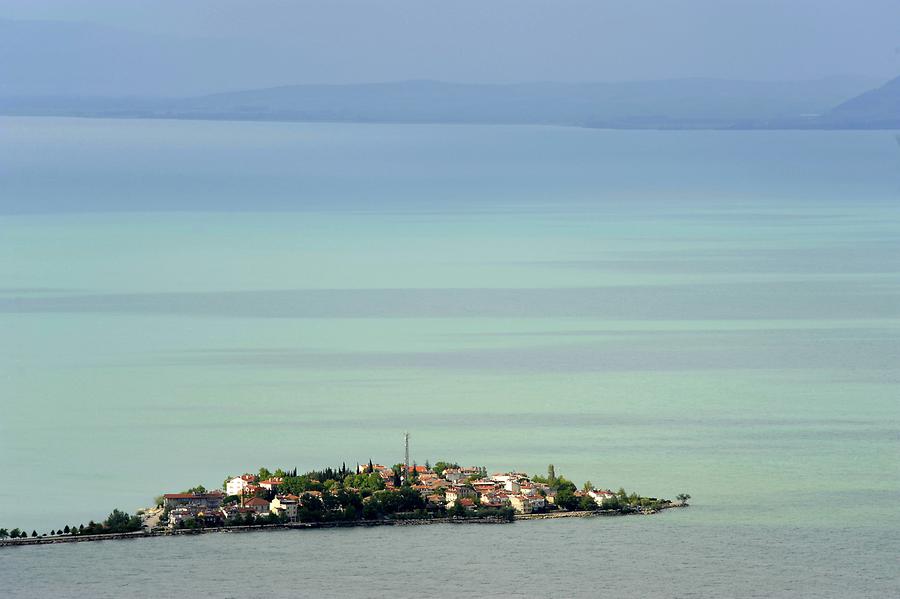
{"type": "Point", "coordinates": [685, 103]}
{"type": "Point", "coordinates": [676, 101]}
{"type": "Point", "coordinates": [875, 109]}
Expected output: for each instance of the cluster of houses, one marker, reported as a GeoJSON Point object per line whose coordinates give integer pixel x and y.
{"type": "Point", "coordinates": [468, 487]}
{"type": "Point", "coordinates": [210, 509]}
{"type": "Point", "coordinates": [471, 486]}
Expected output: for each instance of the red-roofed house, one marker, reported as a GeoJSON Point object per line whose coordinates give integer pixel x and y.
{"type": "Point", "coordinates": [258, 505]}
{"type": "Point", "coordinates": [458, 492]}
{"type": "Point", "coordinates": [271, 484]}
{"type": "Point", "coordinates": [493, 500]}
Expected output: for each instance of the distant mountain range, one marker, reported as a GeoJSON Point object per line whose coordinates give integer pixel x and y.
{"type": "Point", "coordinates": [875, 109]}
{"type": "Point", "coordinates": [73, 68]}
{"type": "Point", "coordinates": [672, 104]}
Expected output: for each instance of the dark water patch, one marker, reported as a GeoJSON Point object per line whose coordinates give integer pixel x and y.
{"type": "Point", "coordinates": [724, 331]}
{"type": "Point", "coordinates": [32, 290]}
{"type": "Point", "coordinates": [725, 301]}
{"type": "Point", "coordinates": [322, 416]}
{"type": "Point", "coordinates": [679, 352]}
{"type": "Point", "coordinates": [864, 257]}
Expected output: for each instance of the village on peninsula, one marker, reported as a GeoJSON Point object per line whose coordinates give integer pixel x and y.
{"type": "Point", "coordinates": [364, 495]}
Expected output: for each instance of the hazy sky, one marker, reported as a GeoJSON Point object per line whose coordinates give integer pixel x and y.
{"type": "Point", "coordinates": [269, 42]}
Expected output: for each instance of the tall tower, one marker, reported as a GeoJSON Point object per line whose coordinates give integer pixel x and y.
{"type": "Point", "coordinates": [406, 457]}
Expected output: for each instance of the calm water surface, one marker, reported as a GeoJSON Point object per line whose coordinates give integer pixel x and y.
{"type": "Point", "coordinates": [676, 555]}
{"type": "Point", "coordinates": [709, 312]}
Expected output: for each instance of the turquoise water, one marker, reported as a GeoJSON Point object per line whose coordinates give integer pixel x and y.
{"type": "Point", "coordinates": [709, 312]}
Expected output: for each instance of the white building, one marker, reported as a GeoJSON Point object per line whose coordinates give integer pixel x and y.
{"type": "Point", "coordinates": [236, 485]}
{"type": "Point", "coordinates": [457, 492]}
{"type": "Point", "coordinates": [454, 475]}
{"type": "Point", "coordinates": [526, 505]}
{"type": "Point", "coordinates": [520, 503]}
{"type": "Point", "coordinates": [599, 495]}
{"type": "Point", "coordinates": [285, 505]}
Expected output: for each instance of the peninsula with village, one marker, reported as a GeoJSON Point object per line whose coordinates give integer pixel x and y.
{"type": "Point", "coordinates": [368, 494]}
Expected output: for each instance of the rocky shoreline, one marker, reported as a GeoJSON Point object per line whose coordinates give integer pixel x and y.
{"type": "Point", "coordinates": [311, 525]}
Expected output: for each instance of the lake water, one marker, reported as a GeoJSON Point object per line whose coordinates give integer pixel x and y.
{"type": "Point", "coordinates": [707, 312]}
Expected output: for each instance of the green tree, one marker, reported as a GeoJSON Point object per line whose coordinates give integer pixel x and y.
{"type": "Point", "coordinates": [264, 474]}
{"type": "Point", "coordinates": [587, 503]}
{"type": "Point", "coordinates": [566, 499]}
{"type": "Point", "coordinates": [14, 533]}
{"type": "Point", "coordinates": [404, 499]}
{"type": "Point", "coordinates": [66, 529]}
{"type": "Point", "coordinates": [611, 503]}
{"type": "Point", "coordinates": [33, 533]}
{"type": "Point", "coordinates": [372, 509]}
{"type": "Point", "coordinates": [440, 466]}
{"type": "Point", "coordinates": [683, 498]}
{"type": "Point", "coordinates": [458, 511]}
{"type": "Point", "coordinates": [587, 486]}
{"type": "Point", "coordinates": [3, 533]}
{"type": "Point", "coordinates": [370, 482]}
{"type": "Point", "coordinates": [298, 485]}
{"type": "Point", "coordinates": [564, 484]}
{"type": "Point", "coordinates": [119, 521]}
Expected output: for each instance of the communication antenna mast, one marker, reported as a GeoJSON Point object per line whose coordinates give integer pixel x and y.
{"type": "Point", "coordinates": [406, 457]}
